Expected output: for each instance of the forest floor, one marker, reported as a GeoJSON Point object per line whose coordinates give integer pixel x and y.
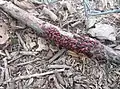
{"type": "Point", "coordinates": [27, 61]}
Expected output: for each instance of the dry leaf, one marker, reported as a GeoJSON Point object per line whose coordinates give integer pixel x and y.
{"type": "Point", "coordinates": [91, 21]}
{"type": "Point", "coordinates": [32, 44]}
{"type": "Point", "coordinates": [103, 31]}
{"type": "Point", "coordinates": [41, 45]}
{"type": "Point", "coordinates": [49, 54]}
{"type": "Point", "coordinates": [70, 7]}
{"type": "Point", "coordinates": [29, 43]}
{"type": "Point", "coordinates": [3, 33]}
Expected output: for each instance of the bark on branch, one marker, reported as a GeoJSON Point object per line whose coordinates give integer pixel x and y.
{"type": "Point", "coordinates": [78, 43]}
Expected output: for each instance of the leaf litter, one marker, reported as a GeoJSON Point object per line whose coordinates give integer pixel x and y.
{"type": "Point", "coordinates": [3, 33]}
{"type": "Point", "coordinates": [21, 67]}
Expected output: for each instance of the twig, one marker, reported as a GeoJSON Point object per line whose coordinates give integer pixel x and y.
{"type": "Point", "coordinates": [25, 63]}
{"type": "Point", "coordinates": [33, 75]}
{"type": "Point", "coordinates": [58, 54]}
{"type": "Point", "coordinates": [95, 12]}
{"type": "Point", "coordinates": [58, 66]}
{"type": "Point", "coordinates": [50, 13]}
{"type": "Point", "coordinates": [6, 68]}
{"type": "Point", "coordinates": [22, 54]}
{"type": "Point", "coordinates": [14, 58]}
{"type": "Point", "coordinates": [2, 75]}
{"type": "Point", "coordinates": [59, 78]}
{"type": "Point", "coordinates": [1, 53]}
{"type": "Point", "coordinates": [28, 53]}
{"type": "Point", "coordinates": [53, 78]}
{"type": "Point", "coordinates": [7, 53]}
{"type": "Point", "coordinates": [117, 72]}
{"type": "Point", "coordinates": [76, 23]}
{"type": "Point", "coordinates": [22, 42]}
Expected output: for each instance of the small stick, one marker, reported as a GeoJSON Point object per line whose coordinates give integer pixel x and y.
{"type": "Point", "coordinates": [25, 63]}
{"type": "Point", "coordinates": [14, 58]}
{"type": "Point", "coordinates": [58, 66]}
{"type": "Point", "coordinates": [50, 13]}
{"type": "Point", "coordinates": [28, 53]}
{"type": "Point", "coordinates": [76, 23]}
{"type": "Point", "coordinates": [1, 53]}
{"type": "Point", "coordinates": [22, 54]}
{"type": "Point", "coordinates": [117, 72]}
{"type": "Point", "coordinates": [2, 75]}
{"type": "Point", "coordinates": [54, 79]}
{"type": "Point", "coordinates": [7, 53]}
{"type": "Point", "coordinates": [58, 54]}
{"type": "Point", "coordinates": [33, 75]}
{"type": "Point", "coordinates": [6, 68]}
{"type": "Point", "coordinates": [59, 78]}
{"type": "Point", "coordinates": [22, 42]}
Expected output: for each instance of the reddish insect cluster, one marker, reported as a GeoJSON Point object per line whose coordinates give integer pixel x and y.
{"type": "Point", "coordinates": [81, 44]}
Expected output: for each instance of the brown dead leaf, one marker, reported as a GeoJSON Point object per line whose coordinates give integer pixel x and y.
{"type": "Point", "coordinates": [3, 33]}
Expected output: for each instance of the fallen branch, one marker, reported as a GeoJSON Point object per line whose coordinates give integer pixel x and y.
{"type": "Point", "coordinates": [77, 43]}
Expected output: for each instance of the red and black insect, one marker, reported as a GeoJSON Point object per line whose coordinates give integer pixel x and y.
{"type": "Point", "coordinates": [82, 44]}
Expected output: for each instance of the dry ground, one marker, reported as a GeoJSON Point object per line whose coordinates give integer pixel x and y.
{"type": "Point", "coordinates": [27, 61]}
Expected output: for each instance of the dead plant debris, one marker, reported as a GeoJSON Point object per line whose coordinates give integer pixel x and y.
{"type": "Point", "coordinates": [30, 62]}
